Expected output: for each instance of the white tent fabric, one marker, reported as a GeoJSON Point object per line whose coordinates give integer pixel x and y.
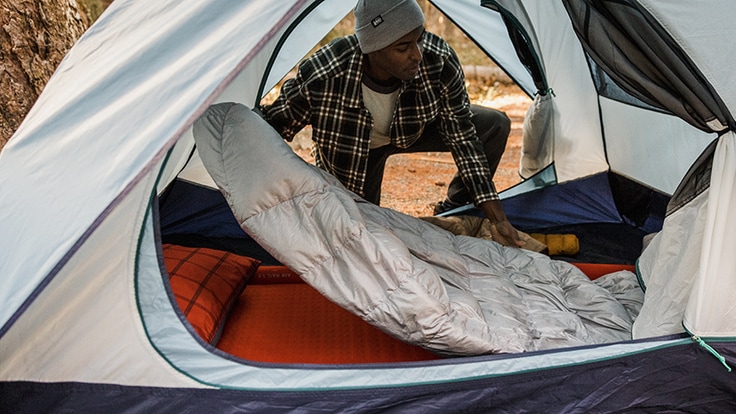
{"type": "Point", "coordinates": [538, 136]}
{"type": "Point", "coordinates": [89, 328]}
{"type": "Point", "coordinates": [688, 268]}
{"type": "Point", "coordinates": [486, 28]}
{"type": "Point", "coordinates": [667, 267]}
{"type": "Point", "coordinates": [76, 226]}
{"type": "Point", "coordinates": [711, 310]}
{"type": "Point", "coordinates": [579, 126]}
{"type": "Point", "coordinates": [179, 53]}
{"type": "Point", "coordinates": [702, 275]}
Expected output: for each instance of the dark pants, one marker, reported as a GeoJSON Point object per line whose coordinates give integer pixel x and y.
{"type": "Point", "coordinates": [493, 129]}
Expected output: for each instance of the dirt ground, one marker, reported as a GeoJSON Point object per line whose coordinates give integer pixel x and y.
{"type": "Point", "coordinates": [414, 183]}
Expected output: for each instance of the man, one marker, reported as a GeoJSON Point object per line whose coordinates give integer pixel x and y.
{"type": "Point", "coordinates": [394, 88]}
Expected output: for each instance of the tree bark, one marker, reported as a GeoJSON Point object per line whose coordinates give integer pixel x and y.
{"type": "Point", "coordinates": [34, 37]}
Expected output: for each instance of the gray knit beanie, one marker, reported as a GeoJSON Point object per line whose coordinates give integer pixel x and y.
{"type": "Point", "coordinates": [378, 23]}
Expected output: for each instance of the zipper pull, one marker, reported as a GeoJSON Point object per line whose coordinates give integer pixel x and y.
{"type": "Point", "coordinates": [710, 349]}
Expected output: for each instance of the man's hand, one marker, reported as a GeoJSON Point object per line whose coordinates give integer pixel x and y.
{"type": "Point", "coordinates": [501, 230]}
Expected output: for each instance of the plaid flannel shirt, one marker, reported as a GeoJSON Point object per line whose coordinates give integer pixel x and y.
{"type": "Point", "coordinates": [326, 93]}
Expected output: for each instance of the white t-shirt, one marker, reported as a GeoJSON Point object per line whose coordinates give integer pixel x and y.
{"type": "Point", "coordinates": [381, 106]}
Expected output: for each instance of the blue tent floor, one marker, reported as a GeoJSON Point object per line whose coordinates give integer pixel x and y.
{"type": "Point", "coordinates": [601, 242]}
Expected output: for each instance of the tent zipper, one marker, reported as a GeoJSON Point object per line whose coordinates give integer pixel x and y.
{"type": "Point", "coordinates": [710, 349]}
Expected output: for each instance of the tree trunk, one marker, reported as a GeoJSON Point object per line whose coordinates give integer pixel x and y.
{"type": "Point", "coordinates": [34, 37]}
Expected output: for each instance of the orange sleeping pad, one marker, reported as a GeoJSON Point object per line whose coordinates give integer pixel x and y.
{"type": "Point", "coordinates": [281, 319]}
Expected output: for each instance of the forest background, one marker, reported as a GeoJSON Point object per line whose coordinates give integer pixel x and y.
{"type": "Point", "coordinates": [35, 35]}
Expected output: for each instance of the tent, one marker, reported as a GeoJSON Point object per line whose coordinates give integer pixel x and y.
{"type": "Point", "coordinates": [640, 93]}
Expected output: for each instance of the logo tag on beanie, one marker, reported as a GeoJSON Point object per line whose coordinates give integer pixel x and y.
{"type": "Point", "coordinates": [377, 20]}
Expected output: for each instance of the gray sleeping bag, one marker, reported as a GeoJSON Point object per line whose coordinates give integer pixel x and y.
{"type": "Point", "coordinates": [455, 295]}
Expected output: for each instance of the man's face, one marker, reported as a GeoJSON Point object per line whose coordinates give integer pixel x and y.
{"type": "Point", "coordinates": [400, 59]}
